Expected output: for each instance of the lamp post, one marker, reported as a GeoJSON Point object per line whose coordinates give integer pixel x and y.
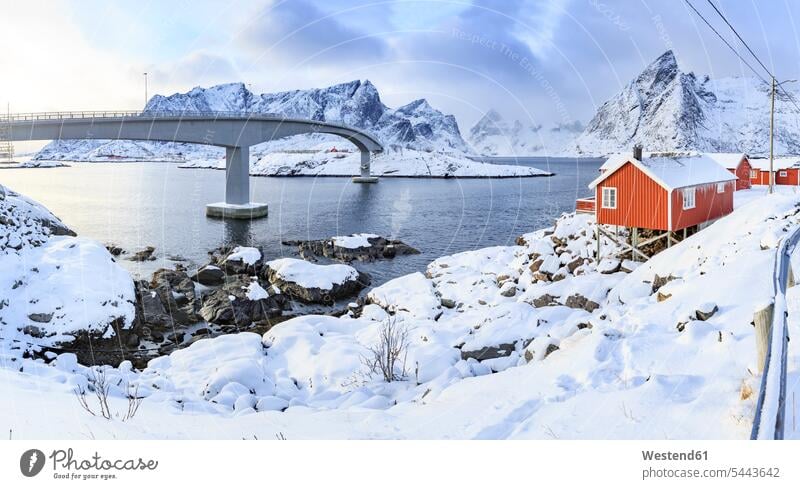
{"type": "Point", "coordinates": [145, 89]}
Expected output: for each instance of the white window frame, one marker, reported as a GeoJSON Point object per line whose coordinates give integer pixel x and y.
{"type": "Point", "coordinates": [610, 196]}
{"type": "Point", "coordinates": [689, 195]}
{"type": "Point", "coordinates": [753, 173]}
{"type": "Point", "coordinates": [782, 173]}
{"type": "Point", "coordinates": [721, 188]}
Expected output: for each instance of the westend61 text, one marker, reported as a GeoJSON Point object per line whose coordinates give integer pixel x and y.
{"type": "Point", "coordinates": [690, 455]}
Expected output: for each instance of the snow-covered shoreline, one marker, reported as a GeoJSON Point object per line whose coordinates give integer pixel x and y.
{"type": "Point", "coordinates": [535, 340]}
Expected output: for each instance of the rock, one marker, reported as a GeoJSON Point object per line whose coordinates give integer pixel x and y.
{"type": "Point", "coordinates": [705, 311]}
{"type": "Point", "coordinates": [544, 301]}
{"type": "Point", "coordinates": [681, 326]}
{"type": "Point", "coordinates": [585, 325]}
{"type": "Point", "coordinates": [550, 349]}
{"type": "Point", "coordinates": [114, 250]}
{"type": "Point", "coordinates": [242, 260]}
{"type": "Point", "coordinates": [528, 356]}
{"type": "Point", "coordinates": [491, 352]}
{"type": "Point", "coordinates": [278, 273]}
{"type": "Point", "coordinates": [41, 317]}
{"type": "Point", "coordinates": [448, 303]}
{"type": "Point", "coordinates": [34, 331]}
{"type": "Point", "coordinates": [629, 265]}
{"type": "Point", "coordinates": [571, 266]}
{"type": "Point", "coordinates": [609, 265]}
{"type": "Point", "coordinates": [659, 282]}
{"type": "Point", "coordinates": [577, 301]}
{"type": "Point", "coordinates": [144, 255]}
{"type": "Point", "coordinates": [177, 293]}
{"type": "Point", "coordinates": [661, 297]}
{"type": "Point", "coordinates": [357, 247]}
{"type": "Point", "coordinates": [537, 263]}
{"type": "Point", "coordinates": [502, 279]}
{"type": "Point", "coordinates": [209, 275]}
{"type": "Point", "coordinates": [509, 289]}
{"type": "Point", "coordinates": [230, 304]}
{"type": "Point", "coordinates": [542, 277]}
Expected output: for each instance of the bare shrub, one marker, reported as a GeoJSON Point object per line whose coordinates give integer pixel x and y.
{"type": "Point", "coordinates": [387, 358]}
{"type": "Point", "coordinates": [99, 387]}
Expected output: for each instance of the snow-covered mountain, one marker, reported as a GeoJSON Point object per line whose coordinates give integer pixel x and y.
{"type": "Point", "coordinates": [492, 135]}
{"type": "Point", "coordinates": [416, 125]}
{"type": "Point", "coordinates": [665, 109]}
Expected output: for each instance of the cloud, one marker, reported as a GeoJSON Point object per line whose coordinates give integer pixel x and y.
{"type": "Point", "coordinates": [197, 68]}
{"type": "Point", "coordinates": [301, 32]}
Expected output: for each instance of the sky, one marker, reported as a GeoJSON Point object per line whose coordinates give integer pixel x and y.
{"type": "Point", "coordinates": [540, 61]}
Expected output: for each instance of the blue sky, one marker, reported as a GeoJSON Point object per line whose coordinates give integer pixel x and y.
{"type": "Point", "coordinates": [540, 61]}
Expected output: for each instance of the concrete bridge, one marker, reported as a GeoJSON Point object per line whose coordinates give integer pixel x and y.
{"type": "Point", "coordinates": [234, 131]}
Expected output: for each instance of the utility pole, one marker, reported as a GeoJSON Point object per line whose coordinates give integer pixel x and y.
{"type": "Point", "coordinates": [145, 89]}
{"type": "Point", "coordinates": [772, 136]}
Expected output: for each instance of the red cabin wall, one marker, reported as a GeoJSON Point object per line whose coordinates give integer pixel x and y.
{"type": "Point", "coordinates": [641, 202]}
{"type": "Point", "coordinates": [742, 172]}
{"type": "Point", "coordinates": [791, 177]}
{"type": "Point", "coordinates": [708, 205]}
{"type": "Point", "coordinates": [761, 178]}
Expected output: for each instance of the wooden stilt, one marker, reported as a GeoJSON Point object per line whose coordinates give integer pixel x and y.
{"type": "Point", "coordinates": [597, 234]}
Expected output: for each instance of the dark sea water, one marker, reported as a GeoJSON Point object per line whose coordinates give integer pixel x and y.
{"type": "Point", "coordinates": [134, 205]}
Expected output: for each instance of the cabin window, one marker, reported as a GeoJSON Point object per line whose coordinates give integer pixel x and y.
{"type": "Point", "coordinates": [609, 198]}
{"type": "Point", "coordinates": [782, 173]}
{"type": "Point", "coordinates": [688, 198]}
{"type": "Point", "coordinates": [753, 173]}
{"type": "Point", "coordinates": [720, 188]}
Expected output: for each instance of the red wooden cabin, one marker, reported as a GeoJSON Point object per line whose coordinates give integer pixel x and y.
{"type": "Point", "coordinates": [786, 171]}
{"type": "Point", "coordinates": [665, 193]}
{"type": "Point", "coordinates": [738, 164]}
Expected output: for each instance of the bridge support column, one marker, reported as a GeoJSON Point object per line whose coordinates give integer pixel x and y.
{"type": "Point", "coordinates": [365, 176]}
{"type": "Point", "coordinates": [237, 203]}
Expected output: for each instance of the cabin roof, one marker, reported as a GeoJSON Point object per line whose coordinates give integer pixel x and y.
{"type": "Point", "coordinates": [671, 172]}
{"type": "Point", "coordinates": [728, 160]}
{"type": "Point", "coordinates": [781, 163]}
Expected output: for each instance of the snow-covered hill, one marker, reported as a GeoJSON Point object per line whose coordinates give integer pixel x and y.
{"type": "Point", "coordinates": [494, 136]}
{"type": "Point", "coordinates": [416, 125]}
{"type": "Point", "coordinates": [665, 109]}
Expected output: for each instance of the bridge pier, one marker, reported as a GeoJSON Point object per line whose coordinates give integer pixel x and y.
{"type": "Point", "coordinates": [365, 176]}
{"type": "Point", "coordinates": [237, 203]}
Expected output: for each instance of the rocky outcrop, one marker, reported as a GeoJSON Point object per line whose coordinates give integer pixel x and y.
{"type": "Point", "coordinates": [234, 303]}
{"type": "Point", "coordinates": [353, 248]}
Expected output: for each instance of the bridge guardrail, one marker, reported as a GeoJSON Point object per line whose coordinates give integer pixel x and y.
{"type": "Point", "coordinates": [768, 422]}
{"type": "Point", "coordinates": [7, 119]}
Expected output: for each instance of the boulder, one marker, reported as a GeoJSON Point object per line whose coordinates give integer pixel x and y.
{"type": "Point", "coordinates": [210, 275]}
{"type": "Point", "coordinates": [242, 260]}
{"type": "Point", "coordinates": [144, 255]}
{"type": "Point", "coordinates": [659, 282]}
{"type": "Point", "coordinates": [609, 265]}
{"type": "Point", "coordinates": [509, 289]}
{"type": "Point", "coordinates": [235, 303]}
{"type": "Point", "coordinates": [544, 301]}
{"type": "Point", "coordinates": [577, 301]}
{"type": "Point", "coordinates": [312, 283]}
{"type": "Point", "coordinates": [705, 311]}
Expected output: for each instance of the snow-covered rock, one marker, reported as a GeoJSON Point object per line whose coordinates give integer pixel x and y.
{"type": "Point", "coordinates": [54, 287]}
{"type": "Point", "coordinates": [314, 283]}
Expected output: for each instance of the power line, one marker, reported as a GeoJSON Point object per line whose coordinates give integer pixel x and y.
{"type": "Point", "coordinates": [749, 49]}
{"type": "Point", "coordinates": [740, 38]}
{"type": "Point", "coordinates": [726, 42]}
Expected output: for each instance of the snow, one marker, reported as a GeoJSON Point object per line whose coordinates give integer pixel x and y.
{"type": "Point", "coordinates": [244, 254]}
{"type": "Point", "coordinates": [623, 370]}
{"type": "Point", "coordinates": [310, 275]}
{"type": "Point", "coordinates": [728, 160]}
{"type": "Point", "coordinates": [52, 287]}
{"type": "Point", "coordinates": [671, 172]}
{"type": "Point", "coordinates": [406, 163]}
{"type": "Point", "coordinates": [354, 241]}
{"type": "Point", "coordinates": [256, 292]}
